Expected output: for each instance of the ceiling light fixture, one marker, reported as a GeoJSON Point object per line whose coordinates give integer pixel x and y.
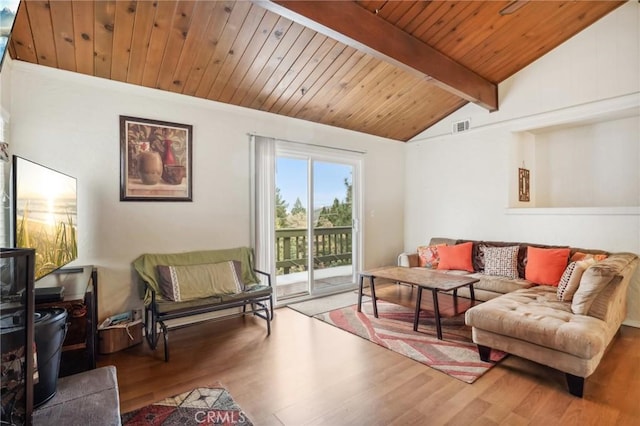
{"type": "Point", "coordinates": [379, 9]}
{"type": "Point", "coordinates": [512, 7]}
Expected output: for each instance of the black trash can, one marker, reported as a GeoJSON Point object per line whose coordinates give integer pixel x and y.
{"type": "Point", "coordinates": [50, 331]}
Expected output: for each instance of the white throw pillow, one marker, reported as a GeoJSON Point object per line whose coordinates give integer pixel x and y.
{"type": "Point", "coordinates": [501, 261]}
{"type": "Point", "coordinates": [571, 277]}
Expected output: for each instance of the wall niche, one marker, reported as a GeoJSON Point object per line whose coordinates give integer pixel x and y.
{"type": "Point", "coordinates": [589, 165]}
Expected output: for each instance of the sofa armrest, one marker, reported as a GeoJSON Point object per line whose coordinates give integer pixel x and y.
{"type": "Point", "coordinates": [410, 260]}
{"type": "Point", "coordinates": [610, 305]}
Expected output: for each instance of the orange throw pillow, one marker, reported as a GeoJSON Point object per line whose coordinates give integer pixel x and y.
{"type": "Point", "coordinates": [546, 266]}
{"type": "Point", "coordinates": [457, 257]}
{"type": "Point", "coordinates": [577, 256]}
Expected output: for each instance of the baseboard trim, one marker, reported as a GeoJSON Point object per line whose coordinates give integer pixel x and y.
{"type": "Point", "coordinates": [630, 323]}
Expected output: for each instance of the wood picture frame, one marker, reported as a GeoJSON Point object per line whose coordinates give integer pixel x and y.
{"type": "Point", "coordinates": [155, 160]}
{"type": "Point", "coordinates": [523, 185]}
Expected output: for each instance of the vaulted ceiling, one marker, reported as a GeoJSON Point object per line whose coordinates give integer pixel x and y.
{"type": "Point", "coordinates": [387, 68]}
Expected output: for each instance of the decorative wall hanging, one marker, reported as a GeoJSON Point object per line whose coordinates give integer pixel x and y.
{"type": "Point", "coordinates": [523, 185]}
{"type": "Point", "coordinates": [155, 160]}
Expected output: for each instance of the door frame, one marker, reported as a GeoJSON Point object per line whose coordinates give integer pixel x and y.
{"type": "Point", "coordinates": [339, 156]}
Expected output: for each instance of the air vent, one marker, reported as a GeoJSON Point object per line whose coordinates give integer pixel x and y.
{"type": "Point", "coordinates": [461, 126]}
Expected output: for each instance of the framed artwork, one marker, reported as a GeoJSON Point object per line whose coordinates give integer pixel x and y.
{"type": "Point", "coordinates": [523, 185]}
{"type": "Point", "coordinates": [155, 160]}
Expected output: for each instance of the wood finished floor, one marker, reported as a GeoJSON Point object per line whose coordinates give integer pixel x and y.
{"type": "Point", "coordinates": [311, 373]}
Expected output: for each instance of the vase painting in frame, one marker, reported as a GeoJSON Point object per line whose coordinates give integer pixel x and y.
{"type": "Point", "coordinates": [155, 160]}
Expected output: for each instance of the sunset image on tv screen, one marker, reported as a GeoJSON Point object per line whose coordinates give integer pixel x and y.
{"type": "Point", "coordinates": [46, 215]}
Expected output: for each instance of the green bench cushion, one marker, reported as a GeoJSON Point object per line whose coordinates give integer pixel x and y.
{"type": "Point", "coordinates": [255, 291]}
{"type": "Point", "coordinates": [182, 283]}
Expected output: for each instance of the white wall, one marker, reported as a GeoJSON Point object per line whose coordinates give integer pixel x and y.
{"type": "Point", "coordinates": [70, 122]}
{"type": "Point", "coordinates": [5, 85]}
{"type": "Point", "coordinates": [594, 165]}
{"type": "Point", "coordinates": [599, 63]}
{"type": "Point", "coordinates": [460, 185]}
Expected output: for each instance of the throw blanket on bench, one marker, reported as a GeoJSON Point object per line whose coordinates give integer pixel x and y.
{"type": "Point", "coordinates": [162, 273]}
{"type": "Point", "coordinates": [146, 265]}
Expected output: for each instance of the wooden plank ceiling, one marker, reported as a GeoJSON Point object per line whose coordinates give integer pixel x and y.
{"type": "Point", "coordinates": [243, 53]}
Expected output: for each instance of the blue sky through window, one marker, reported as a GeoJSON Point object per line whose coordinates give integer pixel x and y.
{"type": "Point", "coordinates": [291, 178]}
{"type": "Point", "coordinates": [8, 10]}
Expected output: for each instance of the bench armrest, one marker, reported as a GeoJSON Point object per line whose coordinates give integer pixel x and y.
{"type": "Point", "coordinates": [265, 274]}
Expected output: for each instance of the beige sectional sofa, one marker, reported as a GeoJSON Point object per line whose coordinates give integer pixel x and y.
{"type": "Point", "coordinates": [529, 320]}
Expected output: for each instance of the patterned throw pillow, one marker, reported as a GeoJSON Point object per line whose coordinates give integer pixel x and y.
{"type": "Point", "coordinates": [428, 256]}
{"type": "Point", "coordinates": [565, 280]}
{"type": "Point", "coordinates": [501, 261]}
{"type": "Point", "coordinates": [189, 282]}
{"type": "Point", "coordinates": [570, 280]}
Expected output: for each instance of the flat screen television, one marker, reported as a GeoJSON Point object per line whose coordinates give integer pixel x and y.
{"type": "Point", "coordinates": [44, 214]}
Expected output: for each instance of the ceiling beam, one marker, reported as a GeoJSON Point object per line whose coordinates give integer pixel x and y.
{"type": "Point", "coordinates": [355, 26]}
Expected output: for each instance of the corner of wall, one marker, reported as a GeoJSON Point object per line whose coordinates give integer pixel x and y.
{"type": "Point", "coordinates": [5, 88]}
{"type": "Point", "coordinates": [5, 109]}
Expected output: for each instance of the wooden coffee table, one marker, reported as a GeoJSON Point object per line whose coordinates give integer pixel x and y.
{"type": "Point", "coordinates": [437, 282]}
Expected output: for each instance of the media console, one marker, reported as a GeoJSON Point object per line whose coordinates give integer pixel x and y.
{"type": "Point", "coordinates": [80, 299]}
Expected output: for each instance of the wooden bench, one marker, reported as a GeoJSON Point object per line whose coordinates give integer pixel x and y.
{"type": "Point", "coordinates": [255, 298]}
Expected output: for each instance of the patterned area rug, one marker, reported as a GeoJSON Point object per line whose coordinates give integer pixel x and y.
{"type": "Point", "coordinates": [201, 406]}
{"type": "Point", "coordinates": [455, 355]}
{"type": "Point", "coordinates": [325, 304]}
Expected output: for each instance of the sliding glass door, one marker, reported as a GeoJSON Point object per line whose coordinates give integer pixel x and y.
{"type": "Point", "coordinates": [316, 220]}
{"type": "Point", "coordinates": [333, 225]}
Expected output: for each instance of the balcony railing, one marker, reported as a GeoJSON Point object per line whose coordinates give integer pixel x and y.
{"type": "Point", "coordinates": [331, 247]}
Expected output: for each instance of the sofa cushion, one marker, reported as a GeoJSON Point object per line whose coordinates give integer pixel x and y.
{"type": "Point", "coordinates": [571, 277]}
{"type": "Point", "coordinates": [428, 256]}
{"type": "Point", "coordinates": [456, 257]}
{"type": "Point", "coordinates": [536, 315]}
{"type": "Point", "coordinates": [499, 284]}
{"type": "Point", "coordinates": [437, 241]}
{"type": "Point", "coordinates": [596, 278]}
{"type": "Point", "coordinates": [501, 261]}
{"type": "Point", "coordinates": [546, 266]}
{"type": "Point", "coordinates": [183, 283]}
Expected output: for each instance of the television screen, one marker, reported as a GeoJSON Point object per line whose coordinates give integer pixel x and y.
{"type": "Point", "coordinates": [45, 215]}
